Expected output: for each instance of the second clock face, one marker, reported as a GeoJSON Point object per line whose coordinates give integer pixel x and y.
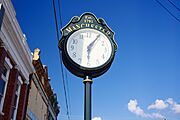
{"type": "Point", "coordinates": [89, 48]}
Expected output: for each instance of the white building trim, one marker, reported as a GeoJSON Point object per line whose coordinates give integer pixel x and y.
{"type": "Point", "coordinates": [15, 41]}
{"type": "Point", "coordinates": [18, 91]}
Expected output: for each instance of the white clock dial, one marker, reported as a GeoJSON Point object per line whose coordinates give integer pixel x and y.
{"type": "Point", "coordinates": [89, 48]}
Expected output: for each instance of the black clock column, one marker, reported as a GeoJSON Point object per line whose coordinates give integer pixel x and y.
{"type": "Point", "coordinates": [87, 98]}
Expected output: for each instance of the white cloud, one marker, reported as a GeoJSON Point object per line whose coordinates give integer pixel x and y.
{"type": "Point", "coordinates": [159, 105]}
{"type": "Point", "coordinates": [134, 108]}
{"type": "Point", "coordinates": [170, 101]}
{"type": "Point", "coordinates": [175, 106]}
{"type": "Point", "coordinates": [157, 115]}
{"type": "Point", "coordinates": [97, 118]}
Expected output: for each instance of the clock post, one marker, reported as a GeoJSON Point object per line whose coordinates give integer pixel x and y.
{"type": "Point", "coordinates": [88, 49]}
{"type": "Point", "coordinates": [87, 98]}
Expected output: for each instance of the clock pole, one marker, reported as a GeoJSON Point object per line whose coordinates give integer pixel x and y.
{"type": "Point", "coordinates": [87, 32]}
{"type": "Point", "coordinates": [87, 98]}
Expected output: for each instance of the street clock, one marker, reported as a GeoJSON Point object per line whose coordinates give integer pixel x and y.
{"type": "Point", "coordinates": [87, 45]}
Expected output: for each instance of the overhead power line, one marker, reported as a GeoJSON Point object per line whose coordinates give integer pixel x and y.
{"type": "Point", "coordinates": [60, 14]}
{"type": "Point", "coordinates": [65, 72]}
{"type": "Point", "coordinates": [174, 5]}
{"type": "Point", "coordinates": [167, 10]}
{"type": "Point", "coordinates": [64, 87]}
{"type": "Point", "coordinates": [60, 21]}
{"type": "Point", "coordinates": [55, 17]}
{"type": "Point", "coordinates": [61, 66]}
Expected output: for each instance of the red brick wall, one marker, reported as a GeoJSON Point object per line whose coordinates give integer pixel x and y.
{"type": "Point", "coordinates": [22, 102]}
{"type": "Point", "coordinates": [10, 94]}
{"type": "Point", "coordinates": [3, 54]}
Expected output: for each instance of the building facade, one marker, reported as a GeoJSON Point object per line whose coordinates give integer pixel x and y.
{"type": "Point", "coordinates": [21, 84]}
{"type": "Point", "coordinates": [15, 65]}
{"type": "Point", "coordinates": [42, 102]}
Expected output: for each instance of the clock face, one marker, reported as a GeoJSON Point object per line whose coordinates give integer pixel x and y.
{"type": "Point", "coordinates": [89, 48]}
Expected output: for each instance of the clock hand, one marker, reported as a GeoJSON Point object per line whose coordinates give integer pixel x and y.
{"type": "Point", "coordinates": [93, 42]}
{"type": "Point", "coordinates": [89, 47]}
{"type": "Point", "coordinates": [88, 52]}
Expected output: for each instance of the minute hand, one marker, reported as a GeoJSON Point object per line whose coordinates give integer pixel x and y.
{"type": "Point", "coordinates": [89, 47]}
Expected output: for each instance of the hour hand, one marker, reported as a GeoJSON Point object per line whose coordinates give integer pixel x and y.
{"type": "Point", "coordinates": [88, 52]}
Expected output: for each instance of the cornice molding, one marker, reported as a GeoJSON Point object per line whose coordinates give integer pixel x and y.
{"type": "Point", "coordinates": [15, 41]}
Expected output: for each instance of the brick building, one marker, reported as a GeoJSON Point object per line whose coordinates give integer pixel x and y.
{"type": "Point", "coordinates": [21, 78]}
{"type": "Point", "coordinates": [42, 102]}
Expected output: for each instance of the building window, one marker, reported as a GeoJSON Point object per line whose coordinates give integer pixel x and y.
{"type": "Point", "coordinates": [50, 117]}
{"type": "Point", "coordinates": [16, 99]}
{"type": "Point", "coordinates": [3, 81]}
{"type": "Point", "coordinates": [2, 86]}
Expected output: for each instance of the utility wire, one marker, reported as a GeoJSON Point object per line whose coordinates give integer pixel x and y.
{"type": "Point", "coordinates": [64, 87]}
{"type": "Point", "coordinates": [60, 21]}
{"type": "Point", "coordinates": [167, 10]}
{"type": "Point", "coordinates": [174, 5]}
{"type": "Point", "coordinates": [67, 83]}
{"type": "Point", "coordinates": [62, 71]}
{"type": "Point", "coordinates": [55, 17]}
{"type": "Point", "coordinates": [60, 14]}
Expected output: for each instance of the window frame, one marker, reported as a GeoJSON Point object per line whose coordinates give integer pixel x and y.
{"type": "Point", "coordinates": [18, 93]}
{"type": "Point", "coordinates": [8, 66]}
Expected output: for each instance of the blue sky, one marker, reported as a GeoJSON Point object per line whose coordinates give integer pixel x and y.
{"type": "Point", "coordinates": [145, 75]}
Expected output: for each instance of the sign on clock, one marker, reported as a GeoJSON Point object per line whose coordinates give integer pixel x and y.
{"type": "Point", "coordinates": [88, 46]}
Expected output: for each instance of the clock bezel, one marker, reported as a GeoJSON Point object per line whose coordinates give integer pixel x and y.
{"type": "Point", "coordinates": [82, 71]}
{"type": "Point", "coordinates": [84, 39]}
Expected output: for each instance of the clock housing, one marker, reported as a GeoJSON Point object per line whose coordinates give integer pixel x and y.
{"type": "Point", "coordinates": [88, 46]}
